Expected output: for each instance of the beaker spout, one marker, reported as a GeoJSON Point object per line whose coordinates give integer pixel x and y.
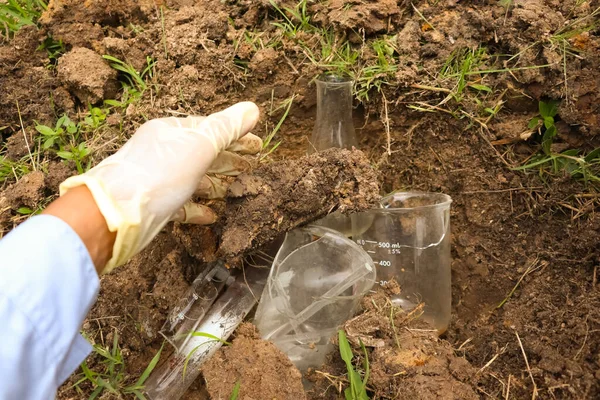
{"type": "Point", "coordinates": [334, 126]}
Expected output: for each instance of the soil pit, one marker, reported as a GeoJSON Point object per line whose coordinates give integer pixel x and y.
{"type": "Point", "coordinates": [528, 241]}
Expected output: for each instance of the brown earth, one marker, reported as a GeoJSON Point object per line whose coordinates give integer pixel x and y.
{"type": "Point", "coordinates": [266, 372]}
{"type": "Point", "coordinates": [538, 232]}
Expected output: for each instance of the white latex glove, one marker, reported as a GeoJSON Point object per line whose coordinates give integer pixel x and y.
{"type": "Point", "coordinates": [149, 180]}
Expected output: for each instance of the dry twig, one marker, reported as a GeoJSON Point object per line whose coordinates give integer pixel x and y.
{"type": "Point", "coordinates": [535, 389]}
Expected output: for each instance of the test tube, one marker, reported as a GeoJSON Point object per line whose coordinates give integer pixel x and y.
{"type": "Point", "coordinates": [191, 308]}
{"type": "Point", "coordinates": [168, 381]}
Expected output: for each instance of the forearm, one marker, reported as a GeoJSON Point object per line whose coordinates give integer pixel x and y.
{"type": "Point", "coordinates": [79, 210]}
{"type": "Point", "coordinates": [47, 287]}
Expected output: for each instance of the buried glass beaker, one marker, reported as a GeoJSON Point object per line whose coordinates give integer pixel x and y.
{"type": "Point", "coordinates": [408, 239]}
{"type": "Point", "coordinates": [317, 279]}
{"type": "Point", "coordinates": [334, 126]}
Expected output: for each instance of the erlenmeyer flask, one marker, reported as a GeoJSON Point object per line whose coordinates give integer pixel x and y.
{"type": "Point", "coordinates": [334, 126]}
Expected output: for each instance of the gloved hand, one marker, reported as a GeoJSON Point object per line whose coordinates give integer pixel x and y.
{"type": "Point", "coordinates": [150, 180]}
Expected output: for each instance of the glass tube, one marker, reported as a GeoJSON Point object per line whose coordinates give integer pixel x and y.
{"type": "Point", "coordinates": [169, 381]}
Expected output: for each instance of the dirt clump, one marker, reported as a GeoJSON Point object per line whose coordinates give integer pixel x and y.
{"type": "Point", "coordinates": [262, 370]}
{"type": "Point", "coordinates": [278, 197]}
{"type": "Point", "coordinates": [264, 62]}
{"type": "Point", "coordinates": [82, 23]}
{"type": "Point", "coordinates": [372, 16]}
{"type": "Point", "coordinates": [26, 83]}
{"type": "Point", "coordinates": [406, 358]}
{"type": "Point", "coordinates": [26, 192]}
{"type": "Point", "coordinates": [87, 75]}
{"type": "Point", "coordinates": [58, 172]}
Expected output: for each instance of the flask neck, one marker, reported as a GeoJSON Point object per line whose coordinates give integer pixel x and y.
{"type": "Point", "coordinates": [334, 126]}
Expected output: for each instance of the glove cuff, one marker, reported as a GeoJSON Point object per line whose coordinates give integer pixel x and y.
{"type": "Point", "coordinates": [127, 228]}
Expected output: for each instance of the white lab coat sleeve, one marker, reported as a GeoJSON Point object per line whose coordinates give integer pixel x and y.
{"type": "Point", "coordinates": [47, 285]}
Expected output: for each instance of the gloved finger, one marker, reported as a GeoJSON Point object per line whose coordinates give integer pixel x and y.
{"type": "Point", "coordinates": [249, 144]}
{"type": "Point", "coordinates": [225, 127]}
{"type": "Point", "coordinates": [230, 164]}
{"type": "Point", "coordinates": [192, 213]}
{"type": "Point", "coordinates": [189, 122]}
{"type": "Point", "coordinates": [211, 187]}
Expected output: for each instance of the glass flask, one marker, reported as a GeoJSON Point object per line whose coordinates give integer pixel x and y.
{"type": "Point", "coordinates": [334, 126]}
{"type": "Point", "coordinates": [317, 279]}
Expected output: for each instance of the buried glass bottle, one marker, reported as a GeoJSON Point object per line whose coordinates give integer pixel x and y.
{"type": "Point", "coordinates": [334, 126]}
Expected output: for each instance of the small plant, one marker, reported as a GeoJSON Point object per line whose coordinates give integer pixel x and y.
{"type": "Point", "coordinates": [132, 77]}
{"type": "Point", "coordinates": [112, 378]}
{"type": "Point", "coordinates": [15, 14]}
{"type": "Point", "coordinates": [78, 155]}
{"type": "Point", "coordinates": [54, 48]}
{"type": "Point", "coordinates": [57, 135]}
{"type": "Point", "coordinates": [545, 120]}
{"type": "Point", "coordinates": [66, 137]}
{"type": "Point", "coordinates": [583, 167]}
{"type": "Point", "coordinates": [358, 385]}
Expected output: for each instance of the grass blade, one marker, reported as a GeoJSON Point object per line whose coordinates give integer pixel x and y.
{"type": "Point", "coordinates": [236, 391]}
{"type": "Point", "coordinates": [140, 382]}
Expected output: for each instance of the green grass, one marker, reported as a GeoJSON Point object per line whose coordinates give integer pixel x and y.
{"type": "Point", "coordinates": [195, 349]}
{"type": "Point", "coordinates": [358, 384]}
{"type": "Point", "coordinates": [268, 148]}
{"type": "Point", "coordinates": [295, 19]}
{"type": "Point", "coordinates": [573, 162]}
{"type": "Point", "coordinates": [54, 48]}
{"type": "Point", "coordinates": [131, 76]}
{"type": "Point", "coordinates": [235, 393]}
{"type": "Point", "coordinates": [13, 169]}
{"type": "Point", "coordinates": [371, 64]}
{"type": "Point", "coordinates": [109, 374]}
{"type": "Point", "coordinates": [15, 14]}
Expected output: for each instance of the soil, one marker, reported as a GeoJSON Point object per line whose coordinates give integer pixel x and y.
{"type": "Point", "coordinates": [293, 193]}
{"type": "Point", "coordinates": [87, 75]}
{"type": "Point", "coordinates": [264, 372]}
{"type": "Point", "coordinates": [407, 360]}
{"type": "Point", "coordinates": [526, 301]}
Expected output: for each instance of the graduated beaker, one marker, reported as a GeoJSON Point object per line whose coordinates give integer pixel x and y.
{"type": "Point", "coordinates": [334, 126]}
{"type": "Point", "coordinates": [317, 279]}
{"type": "Point", "coordinates": [408, 239]}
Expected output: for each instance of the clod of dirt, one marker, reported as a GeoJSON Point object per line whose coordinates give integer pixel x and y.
{"type": "Point", "coordinates": [124, 50]}
{"type": "Point", "coordinates": [80, 23]}
{"type": "Point", "coordinates": [87, 75]}
{"type": "Point", "coordinates": [264, 62]}
{"type": "Point", "coordinates": [261, 369]}
{"type": "Point", "coordinates": [280, 196]}
{"type": "Point", "coordinates": [57, 173]}
{"type": "Point", "coordinates": [372, 15]}
{"type": "Point", "coordinates": [405, 363]}
{"type": "Point", "coordinates": [28, 191]}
